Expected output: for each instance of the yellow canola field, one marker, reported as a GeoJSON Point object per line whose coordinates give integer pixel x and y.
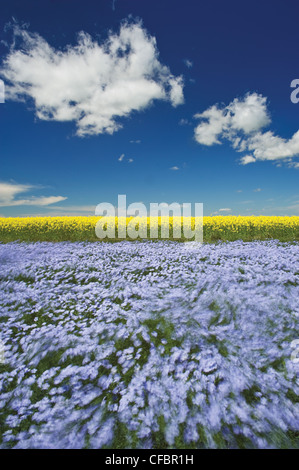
{"type": "Point", "coordinates": [83, 228]}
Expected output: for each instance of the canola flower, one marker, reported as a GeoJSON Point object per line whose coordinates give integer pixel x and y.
{"type": "Point", "coordinates": [214, 228]}
{"type": "Point", "coordinates": [149, 345]}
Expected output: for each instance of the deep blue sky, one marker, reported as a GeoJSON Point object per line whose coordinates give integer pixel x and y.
{"type": "Point", "coordinates": [235, 48]}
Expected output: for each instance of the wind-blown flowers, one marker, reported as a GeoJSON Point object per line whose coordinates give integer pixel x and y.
{"type": "Point", "coordinates": [149, 345]}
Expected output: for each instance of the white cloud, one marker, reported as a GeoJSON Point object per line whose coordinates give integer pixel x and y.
{"type": "Point", "coordinates": [184, 122]}
{"type": "Point", "coordinates": [247, 159]}
{"type": "Point", "coordinates": [267, 146]}
{"type": "Point", "coordinates": [250, 114]}
{"type": "Point", "coordinates": [257, 190]}
{"type": "Point", "coordinates": [90, 83]}
{"type": "Point", "coordinates": [188, 63]}
{"type": "Point", "coordinates": [176, 91]}
{"type": "Point", "coordinates": [240, 123]}
{"type": "Point", "coordinates": [174, 168]}
{"type": "Point", "coordinates": [120, 159]}
{"type": "Point", "coordinates": [247, 115]}
{"type": "Point", "coordinates": [8, 192]}
{"type": "Point", "coordinates": [135, 141]}
{"type": "Point", "coordinates": [225, 209]}
{"type": "Point", "coordinates": [35, 201]}
{"type": "Point", "coordinates": [207, 133]}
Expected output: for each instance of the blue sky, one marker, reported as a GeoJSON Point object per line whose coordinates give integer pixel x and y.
{"type": "Point", "coordinates": [181, 102]}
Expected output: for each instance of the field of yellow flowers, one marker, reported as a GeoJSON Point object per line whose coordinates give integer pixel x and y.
{"type": "Point", "coordinates": [226, 228]}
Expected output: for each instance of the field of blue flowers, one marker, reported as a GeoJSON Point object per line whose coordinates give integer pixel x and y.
{"type": "Point", "coordinates": [149, 345]}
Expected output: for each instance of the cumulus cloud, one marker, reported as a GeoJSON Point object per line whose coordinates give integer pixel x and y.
{"type": "Point", "coordinates": [267, 146]}
{"type": "Point", "coordinates": [247, 115]}
{"type": "Point", "coordinates": [247, 159]}
{"type": "Point", "coordinates": [174, 168]}
{"type": "Point", "coordinates": [90, 83]}
{"type": "Point", "coordinates": [215, 123]}
{"type": "Point", "coordinates": [176, 91]}
{"type": "Point", "coordinates": [9, 191]}
{"type": "Point", "coordinates": [250, 114]}
{"type": "Point", "coordinates": [241, 123]}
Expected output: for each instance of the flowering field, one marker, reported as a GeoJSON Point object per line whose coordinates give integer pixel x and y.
{"type": "Point", "coordinates": [214, 228]}
{"type": "Point", "coordinates": [149, 345]}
